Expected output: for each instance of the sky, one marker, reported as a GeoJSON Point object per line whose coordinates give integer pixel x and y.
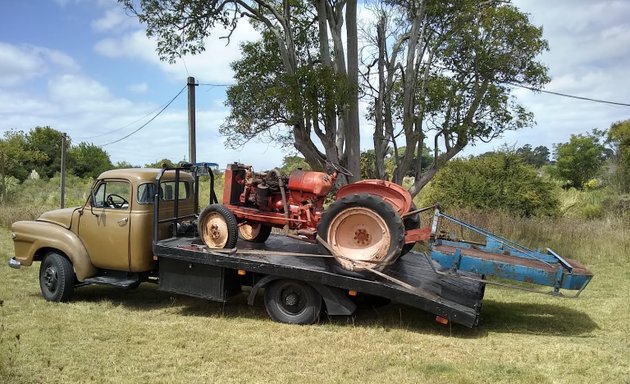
{"type": "Point", "coordinates": [86, 68]}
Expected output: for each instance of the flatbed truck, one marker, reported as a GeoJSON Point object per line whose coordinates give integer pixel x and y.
{"type": "Point", "coordinates": [138, 225]}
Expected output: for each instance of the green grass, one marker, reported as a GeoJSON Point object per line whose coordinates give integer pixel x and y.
{"type": "Point", "coordinates": [107, 335]}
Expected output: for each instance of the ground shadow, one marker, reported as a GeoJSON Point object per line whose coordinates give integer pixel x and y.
{"type": "Point", "coordinates": [526, 318]}
{"type": "Point", "coordinates": [535, 318]}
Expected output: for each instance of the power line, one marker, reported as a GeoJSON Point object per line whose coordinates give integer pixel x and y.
{"type": "Point", "coordinates": [123, 127]}
{"type": "Point", "coordinates": [215, 85]}
{"type": "Point", "coordinates": [150, 120]}
{"type": "Point", "coordinates": [570, 96]}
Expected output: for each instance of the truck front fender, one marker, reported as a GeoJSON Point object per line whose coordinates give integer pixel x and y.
{"type": "Point", "coordinates": [33, 239]}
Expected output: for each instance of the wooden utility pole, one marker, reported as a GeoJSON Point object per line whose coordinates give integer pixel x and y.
{"type": "Point", "coordinates": [63, 169]}
{"type": "Point", "coordinates": [192, 142]}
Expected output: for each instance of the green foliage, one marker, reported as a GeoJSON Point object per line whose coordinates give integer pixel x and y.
{"type": "Point", "coordinates": [124, 164]}
{"type": "Point", "coordinates": [164, 163]}
{"type": "Point", "coordinates": [619, 137]}
{"type": "Point", "coordinates": [88, 160]}
{"type": "Point", "coordinates": [537, 157]}
{"type": "Point", "coordinates": [499, 181]}
{"type": "Point", "coordinates": [266, 102]}
{"type": "Point", "coordinates": [579, 160]}
{"type": "Point", "coordinates": [47, 141]}
{"type": "Point", "coordinates": [17, 155]}
{"type": "Point", "coordinates": [292, 162]}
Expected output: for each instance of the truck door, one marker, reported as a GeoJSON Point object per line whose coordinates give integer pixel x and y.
{"type": "Point", "coordinates": [105, 223]}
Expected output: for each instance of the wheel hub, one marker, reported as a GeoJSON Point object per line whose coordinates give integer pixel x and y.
{"type": "Point", "coordinates": [215, 232]}
{"type": "Point", "coordinates": [50, 278]}
{"type": "Point", "coordinates": [291, 300]}
{"type": "Point", "coordinates": [362, 237]}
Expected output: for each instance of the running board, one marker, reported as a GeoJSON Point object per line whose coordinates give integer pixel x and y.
{"type": "Point", "coordinates": [115, 280]}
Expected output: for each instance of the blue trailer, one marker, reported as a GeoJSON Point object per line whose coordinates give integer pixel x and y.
{"type": "Point", "coordinates": [496, 256]}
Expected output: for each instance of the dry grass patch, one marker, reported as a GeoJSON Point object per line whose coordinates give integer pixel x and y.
{"type": "Point", "coordinates": [107, 335]}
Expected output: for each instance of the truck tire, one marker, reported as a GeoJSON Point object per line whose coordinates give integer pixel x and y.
{"type": "Point", "coordinates": [410, 222]}
{"type": "Point", "coordinates": [364, 232]}
{"type": "Point", "coordinates": [254, 232]}
{"type": "Point", "coordinates": [56, 278]}
{"type": "Point", "coordinates": [292, 302]}
{"type": "Point", "coordinates": [217, 227]}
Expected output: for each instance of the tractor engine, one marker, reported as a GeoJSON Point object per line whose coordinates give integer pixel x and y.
{"type": "Point", "coordinates": [303, 191]}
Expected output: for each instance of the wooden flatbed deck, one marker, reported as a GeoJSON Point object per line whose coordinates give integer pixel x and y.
{"type": "Point", "coordinates": [456, 299]}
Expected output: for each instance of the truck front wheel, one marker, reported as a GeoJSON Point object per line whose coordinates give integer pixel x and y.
{"type": "Point", "coordinates": [56, 278]}
{"type": "Point", "coordinates": [292, 302]}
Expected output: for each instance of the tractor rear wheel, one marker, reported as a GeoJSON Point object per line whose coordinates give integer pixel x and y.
{"type": "Point", "coordinates": [363, 231]}
{"type": "Point", "coordinates": [217, 227]}
{"type": "Point", "coordinates": [254, 232]}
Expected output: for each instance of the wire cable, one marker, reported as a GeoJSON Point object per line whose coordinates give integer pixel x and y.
{"type": "Point", "coordinates": [147, 123]}
{"type": "Point", "coordinates": [121, 128]}
{"type": "Point", "coordinates": [570, 96]}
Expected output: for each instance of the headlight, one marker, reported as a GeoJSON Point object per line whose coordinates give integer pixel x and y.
{"type": "Point", "coordinates": [13, 235]}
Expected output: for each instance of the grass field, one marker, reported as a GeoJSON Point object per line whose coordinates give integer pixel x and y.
{"type": "Point", "coordinates": [107, 335]}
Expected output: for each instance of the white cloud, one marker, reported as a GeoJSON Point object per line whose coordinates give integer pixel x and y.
{"type": "Point", "coordinates": [138, 88]}
{"type": "Point", "coordinates": [114, 20]}
{"type": "Point", "coordinates": [211, 65]}
{"type": "Point", "coordinates": [19, 63]}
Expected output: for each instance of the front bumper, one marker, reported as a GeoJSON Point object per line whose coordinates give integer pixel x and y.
{"type": "Point", "coordinates": [14, 263]}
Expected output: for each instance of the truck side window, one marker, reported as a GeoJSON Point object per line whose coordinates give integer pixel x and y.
{"type": "Point", "coordinates": [167, 191]}
{"type": "Point", "coordinates": [112, 194]}
{"type": "Point", "coordinates": [145, 193]}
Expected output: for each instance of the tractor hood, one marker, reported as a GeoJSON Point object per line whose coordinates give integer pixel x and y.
{"type": "Point", "coordinates": [61, 217]}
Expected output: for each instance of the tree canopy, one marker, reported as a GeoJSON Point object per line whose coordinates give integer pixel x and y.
{"type": "Point", "coordinates": [579, 160]}
{"type": "Point", "coordinates": [619, 137]}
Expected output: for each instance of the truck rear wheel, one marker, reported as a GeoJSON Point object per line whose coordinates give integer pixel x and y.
{"type": "Point", "coordinates": [292, 302]}
{"type": "Point", "coordinates": [56, 278]}
{"type": "Point", "coordinates": [217, 227]}
{"type": "Point", "coordinates": [363, 231]}
{"type": "Point", "coordinates": [254, 232]}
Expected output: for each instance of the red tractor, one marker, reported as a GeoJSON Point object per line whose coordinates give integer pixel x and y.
{"type": "Point", "coordinates": [367, 226]}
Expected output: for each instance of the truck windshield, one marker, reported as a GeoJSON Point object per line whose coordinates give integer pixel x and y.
{"type": "Point", "coordinates": [167, 191]}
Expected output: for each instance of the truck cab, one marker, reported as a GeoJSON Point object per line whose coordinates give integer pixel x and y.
{"type": "Point", "coordinates": [109, 239]}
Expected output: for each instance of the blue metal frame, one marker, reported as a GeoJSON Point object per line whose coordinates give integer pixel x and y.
{"type": "Point", "coordinates": [504, 258]}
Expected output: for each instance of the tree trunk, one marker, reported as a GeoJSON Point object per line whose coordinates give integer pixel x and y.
{"type": "Point", "coordinates": [353, 142]}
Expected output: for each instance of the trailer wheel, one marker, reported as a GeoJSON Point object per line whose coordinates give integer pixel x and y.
{"type": "Point", "coordinates": [56, 278]}
{"type": "Point", "coordinates": [254, 232]}
{"type": "Point", "coordinates": [292, 302]}
{"type": "Point", "coordinates": [217, 227]}
{"type": "Point", "coordinates": [410, 222]}
{"type": "Point", "coordinates": [364, 232]}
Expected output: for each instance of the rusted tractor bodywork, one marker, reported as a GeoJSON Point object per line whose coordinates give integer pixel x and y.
{"type": "Point", "coordinates": [367, 226]}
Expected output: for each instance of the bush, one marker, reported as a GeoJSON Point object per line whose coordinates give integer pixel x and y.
{"type": "Point", "coordinates": [495, 181]}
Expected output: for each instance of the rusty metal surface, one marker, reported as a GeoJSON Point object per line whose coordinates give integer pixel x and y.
{"type": "Point", "coordinates": [450, 250]}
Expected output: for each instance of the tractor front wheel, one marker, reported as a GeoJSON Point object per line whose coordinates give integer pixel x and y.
{"type": "Point", "coordinates": [217, 227]}
{"type": "Point", "coordinates": [363, 231]}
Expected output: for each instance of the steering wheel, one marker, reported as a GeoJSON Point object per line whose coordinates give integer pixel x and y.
{"type": "Point", "coordinates": [340, 169]}
{"type": "Point", "coordinates": [110, 201]}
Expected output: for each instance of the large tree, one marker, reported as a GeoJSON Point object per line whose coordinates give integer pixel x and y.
{"type": "Point", "coordinates": [88, 160]}
{"type": "Point", "coordinates": [181, 26]}
{"type": "Point", "coordinates": [439, 73]}
{"type": "Point", "coordinates": [443, 71]}
{"type": "Point", "coordinates": [579, 160]}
